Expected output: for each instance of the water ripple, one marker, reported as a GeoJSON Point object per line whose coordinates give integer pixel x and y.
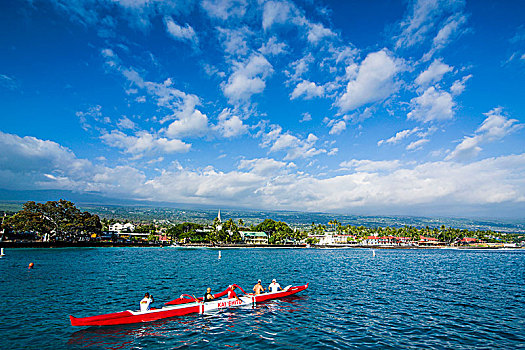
{"type": "Point", "coordinates": [436, 299]}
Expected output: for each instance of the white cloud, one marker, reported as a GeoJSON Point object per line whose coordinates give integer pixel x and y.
{"type": "Point", "coordinates": [224, 9]}
{"type": "Point", "coordinates": [235, 40]}
{"type": "Point", "coordinates": [180, 33]}
{"type": "Point", "coordinates": [364, 165]}
{"type": "Point", "coordinates": [317, 32]}
{"type": "Point", "coordinates": [92, 115]}
{"type": "Point", "coordinates": [190, 122]}
{"type": "Point", "coordinates": [374, 81]}
{"type": "Point", "coordinates": [446, 33]}
{"type": "Point", "coordinates": [308, 89]}
{"type": "Point", "coordinates": [247, 79]}
{"type": "Point", "coordinates": [432, 105]}
{"type": "Point", "coordinates": [495, 127]}
{"type": "Point", "coordinates": [399, 136]}
{"type": "Point", "coordinates": [277, 12]}
{"type": "Point", "coordinates": [338, 127]}
{"type": "Point", "coordinates": [126, 123]}
{"type": "Point", "coordinates": [416, 144]}
{"type": "Point", "coordinates": [490, 186]}
{"type": "Point", "coordinates": [434, 73]}
{"type": "Point", "coordinates": [273, 47]}
{"type": "Point", "coordinates": [230, 125]}
{"type": "Point", "coordinates": [424, 16]}
{"type": "Point", "coordinates": [458, 86]}
{"type": "Point", "coordinates": [292, 145]}
{"type": "Point", "coordinates": [306, 117]}
{"type": "Point", "coordinates": [300, 67]}
{"type": "Point", "coordinates": [143, 143]}
{"type": "Point", "coordinates": [263, 166]}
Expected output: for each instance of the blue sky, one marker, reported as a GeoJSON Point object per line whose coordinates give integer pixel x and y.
{"type": "Point", "coordinates": [355, 107]}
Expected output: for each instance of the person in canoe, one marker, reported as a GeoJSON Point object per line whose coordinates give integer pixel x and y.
{"type": "Point", "coordinates": [274, 286]}
{"type": "Point", "coordinates": [208, 296]}
{"type": "Point", "coordinates": [258, 288]}
{"type": "Point", "coordinates": [146, 302]}
{"type": "Point", "coordinates": [232, 294]}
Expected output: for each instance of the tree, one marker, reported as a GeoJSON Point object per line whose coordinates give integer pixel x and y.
{"type": "Point", "coordinates": [61, 220]}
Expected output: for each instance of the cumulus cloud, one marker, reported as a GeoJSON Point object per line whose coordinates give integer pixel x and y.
{"type": "Point", "coordinates": [263, 166]}
{"type": "Point", "coordinates": [273, 47]}
{"type": "Point", "coordinates": [300, 67]}
{"type": "Point", "coordinates": [190, 122]}
{"type": "Point", "coordinates": [224, 9]}
{"type": "Point", "coordinates": [306, 117]}
{"type": "Point", "coordinates": [366, 165]}
{"type": "Point", "coordinates": [432, 105]}
{"type": "Point", "coordinates": [399, 136]}
{"type": "Point", "coordinates": [143, 142]}
{"type": "Point", "coordinates": [230, 125]}
{"type": "Point", "coordinates": [337, 127]}
{"type": "Point", "coordinates": [317, 32]}
{"type": "Point", "coordinates": [235, 40]}
{"type": "Point", "coordinates": [126, 123]}
{"type": "Point", "coordinates": [458, 86]}
{"type": "Point", "coordinates": [180, 33]}
{"type": "Point", "coordinates": [308, 89]}
{"type": "Point", "coordinates": [374, 81]}
{"type": "Point", "coordinates": [366, 186]}
{"type": "Point", "coordinates": [247, 79]}
{"type": "Point", "coordinates": [434, 73]}
{"type": "Point", "coordinates": [496, 126]}
{"type": "Point", "coordinates": [294, 147]}
{"type": "Point", "coordinates": [277, 12]}
{"type": "Point", "coordinates": [416, 144]}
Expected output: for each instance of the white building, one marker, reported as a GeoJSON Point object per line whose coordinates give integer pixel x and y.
{"type": "Point", "coordinates": [118, 227]}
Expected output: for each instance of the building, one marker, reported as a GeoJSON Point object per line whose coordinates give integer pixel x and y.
{"type": "Point", "coordinates": [118, 227]}
{"type": "Point", "coordinates": [251, 237]}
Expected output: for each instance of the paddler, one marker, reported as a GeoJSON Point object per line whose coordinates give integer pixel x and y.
{"type": "Point", "coordinates": [146, 302]}
{"type": "Point", "coordinates": [232, 294]}
{"type": "Point", "coordinates": [274, 286]}
{"type": "Point", "coordinates": [258, 288]}
{"type": "Point", "coordinates": [208, 296]}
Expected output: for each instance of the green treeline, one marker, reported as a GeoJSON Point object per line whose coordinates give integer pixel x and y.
{"type": "Point", "coordinates": [445, 234]}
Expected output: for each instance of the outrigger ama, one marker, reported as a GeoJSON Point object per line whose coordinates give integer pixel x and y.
{"type": "Point", "coordinates": [185, 304]}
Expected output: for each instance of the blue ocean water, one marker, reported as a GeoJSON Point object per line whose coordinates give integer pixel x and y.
{"type": "Point", "coordinates": [411, 299]}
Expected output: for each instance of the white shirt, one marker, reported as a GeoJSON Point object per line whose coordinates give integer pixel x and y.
{"type": "Point", "coordinates": [144, 304]}
{"type": "Point", "coordinates": [274, 287]}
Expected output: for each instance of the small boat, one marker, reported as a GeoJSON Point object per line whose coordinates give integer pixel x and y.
{"type": "Point", "coordinates": [184, 305]}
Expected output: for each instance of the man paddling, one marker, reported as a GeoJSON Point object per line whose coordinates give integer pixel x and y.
{"type": "Point", "coordinates": [208, 296]}
{"type": "Point", "coordinates": [146, 302]}
{"type": "Point", "coordinates": [258, 288]}
{"type": "Point", "coordinates": [274, 286]}
{"type": "Point", "coordinates": [232, 294]}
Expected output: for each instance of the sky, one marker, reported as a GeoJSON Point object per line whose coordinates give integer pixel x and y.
{"type": "Point", "coordinates": [382, 107]}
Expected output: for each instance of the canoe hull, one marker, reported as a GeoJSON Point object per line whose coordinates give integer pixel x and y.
{"type": "Point", "coordinates": [128, 316]}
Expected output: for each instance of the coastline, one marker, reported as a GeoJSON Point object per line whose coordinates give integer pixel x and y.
{"type": "Point", "coordinates": [89, 244]}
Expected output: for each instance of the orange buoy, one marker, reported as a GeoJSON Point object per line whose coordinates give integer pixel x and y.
{"type": "Point", "coordinates": [31, 265]}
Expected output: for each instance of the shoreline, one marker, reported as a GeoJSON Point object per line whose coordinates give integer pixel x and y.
{"type": "Point", "coordinates": [32, 244]}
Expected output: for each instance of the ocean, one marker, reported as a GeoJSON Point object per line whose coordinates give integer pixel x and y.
{"type": "Point", "coordinates": [399, 298]}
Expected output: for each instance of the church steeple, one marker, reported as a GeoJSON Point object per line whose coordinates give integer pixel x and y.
{"type": "Point", "coordinates": [219, 216]}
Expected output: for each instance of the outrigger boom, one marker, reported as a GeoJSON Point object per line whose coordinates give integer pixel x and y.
{"type": "Point", "coordinates": [184, 305]}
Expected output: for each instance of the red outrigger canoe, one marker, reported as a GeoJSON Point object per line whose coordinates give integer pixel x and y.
{"type": "Point", "coordinates": [184, 305]}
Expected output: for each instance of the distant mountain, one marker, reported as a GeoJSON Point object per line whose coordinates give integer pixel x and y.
{"type": "Point", "coordinates": [148, 211]}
